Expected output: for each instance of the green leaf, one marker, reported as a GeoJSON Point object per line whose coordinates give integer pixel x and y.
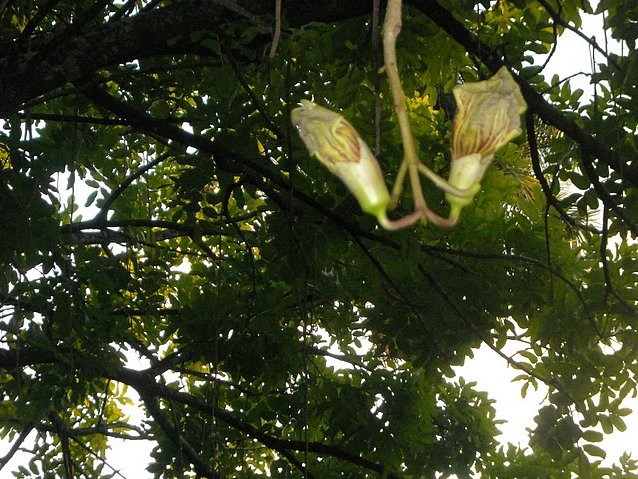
{"type": "Point", "coordinates": [593, 450]}
{"type": "Point", "coordinates": [592, 436]}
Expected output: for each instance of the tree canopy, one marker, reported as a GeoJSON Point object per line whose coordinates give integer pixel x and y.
{"type": "Point", "coordinates": [157, 204]}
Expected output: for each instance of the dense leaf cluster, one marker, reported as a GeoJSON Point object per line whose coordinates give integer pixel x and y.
{"type": "Point", "coordinates": [163, 231]}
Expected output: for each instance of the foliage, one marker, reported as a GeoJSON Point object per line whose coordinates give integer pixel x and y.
{"type": "Point", "coordinates": [156, 205]}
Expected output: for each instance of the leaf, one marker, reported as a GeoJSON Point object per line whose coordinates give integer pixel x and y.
{"type": "Point", "coordinates": [592, 436]}
{"type": "Point", "coordinates": [90, 199]}
{"type": "Point", "coordinates": [580, 181]}
{"type": "Point", "coordinates": [593, 450]}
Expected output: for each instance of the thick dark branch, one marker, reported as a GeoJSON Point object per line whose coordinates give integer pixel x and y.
{"type": "Point", "coordinates": [61, 429]}
{"type": "Point", "coordinates": [106, 236]}
{"type": "Point", "coordinates": [146, 386]}
{"type": "Point", "coordinates": [100, 224]}
{"type": "Point", "coordinates": [25, 75]}
{"type": "Point", "coordinates": [92, 120]}
{"type": "Point", "coordinates": [14, 359]}
{"type": "Point", "coordinates": [226, 160]}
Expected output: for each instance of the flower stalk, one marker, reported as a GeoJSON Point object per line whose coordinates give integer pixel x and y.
{"type": "Point", "coordinates": [488, 117]}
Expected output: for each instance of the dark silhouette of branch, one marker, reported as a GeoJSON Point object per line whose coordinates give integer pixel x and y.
{"type": "Point", "coordinates": [74, 54]}
{"type": "Point", "coordinates": [36, 20]}
{"type": "Point", "coordinates": [147, 386]}
{"type": "Point", "coordinates": [61, 429]}
{"type": "Point", "coordinates": [609, 287]}
{"type": "Point", "coordinates": [590, 40]}
{"type": "Point", "coordinates": [536, 103]}
{"type": "Point", "coordinates": [255, 172]}
{"type": "Point", "coordinates": [93, 120]}
{"type": "Point", "coordinates": [516, 257]}
{"type": "Point", "coordinates": [152, 406]}
{"type": "Point", "coordinates": [603, 194]}
{"type": "Point", "coordinates": [555, 383]}
{"type": "Point", "coordinates": [15, 446]}
{"type": "Point", "coordinates": [125, 184]}
{"type": "Point", "coordinates": [538, 172]}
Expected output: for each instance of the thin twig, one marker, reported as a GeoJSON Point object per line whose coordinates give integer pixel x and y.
{"type": "Point", "coordinates": [591, 41]}
{"type": "Point", "coordinates": [15, 446]}
{"type": "Point", "coordinates": [517, 257]}
{"type": "Point", "coordinates": [609, 287]}
{"type": "Point", "coordinates": [277, 33]}
{"type": "Point", "coordinates": [538, 172]}
{"type": "Point", "coordinates": [470, 324]}
{"type": "Point", "coordinates": [125, 184]}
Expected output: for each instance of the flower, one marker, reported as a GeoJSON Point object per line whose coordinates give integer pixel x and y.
{"type": "Point", "coordinates": [488, 117]}
{"type": "Point", "coordinates": [337, 145]}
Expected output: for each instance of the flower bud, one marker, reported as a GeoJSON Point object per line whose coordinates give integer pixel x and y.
{"type": "Point", "coordinates": [488, 117]}
{"type": "Point", "coordinates": [337, 145]}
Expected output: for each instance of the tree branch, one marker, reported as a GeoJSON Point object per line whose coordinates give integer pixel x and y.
{"type": "Point", "coordinates": [147, 386]}
{"type": "Point", "coordinates": [538, 172]}
{"type": "Point", "coordinates": [228, 161]}
{"type": "Point", "coordinates": [15, 446]}
{"type": "Point", "coordinates": [125, 184]}
{"type": "Point", "coordinates": [152, 405]}
{"type": "Point", "coordinates": [25, 75]}
{"type": "Point", "coordinates": [536, 103]}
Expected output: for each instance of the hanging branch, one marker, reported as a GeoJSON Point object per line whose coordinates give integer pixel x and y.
{"type": "Point", "coordinates": [391, 30]}
{"type": "Point", "coordinates": [538, 172]}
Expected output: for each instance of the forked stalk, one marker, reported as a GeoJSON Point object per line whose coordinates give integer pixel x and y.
{"type": "Point", "coordinates": [410, 164]}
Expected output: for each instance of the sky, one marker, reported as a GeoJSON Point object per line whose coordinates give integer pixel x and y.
{"type": "Point", "coordinates": [486, 368]}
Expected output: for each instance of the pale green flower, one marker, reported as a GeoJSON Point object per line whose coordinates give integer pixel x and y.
{"type": "Point", "coordinates": [488, 117]}
{"type": "Point", "coordinates": [336, 143]}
